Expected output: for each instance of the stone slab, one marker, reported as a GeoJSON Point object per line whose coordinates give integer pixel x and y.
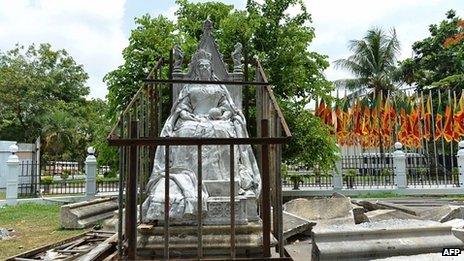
{"type": "Point", "coordinates": [387, 214]}
{"type": "Point", "coordinates": [294, 225]}
{"type": "Point", "coordinates": [442, 214]}
{"type": "Point", "coordinates": [299, 251]}
{"type": "Point", "coordinates": [320, 209]}
{"type": "Point", "coordinates": [459, 233]}
{"type": "Point", "coordinates": [399, 207]}
{"type": "Point", "coordinates": [381, 239]}
{"type": "Point", "coordinates": [359, 214]}
{"type": "Point", "coordinates": [87, 213]}
{"type": "Point", "coordinates": [455, 223]}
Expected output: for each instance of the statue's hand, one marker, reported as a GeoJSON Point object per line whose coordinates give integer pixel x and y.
{"type": "Point", "coordinates": [185, 115]}
{"type": "Point", "coordinates": [226, 115]}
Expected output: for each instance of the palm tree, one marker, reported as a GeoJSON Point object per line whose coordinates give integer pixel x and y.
{"type": "Point", "coordinates": [58, 132]}
{"type": "Point", "coordinates": [373, 63]}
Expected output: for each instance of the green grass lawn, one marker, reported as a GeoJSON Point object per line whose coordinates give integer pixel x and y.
{"type": "Point", "coordinates": [34, 224]}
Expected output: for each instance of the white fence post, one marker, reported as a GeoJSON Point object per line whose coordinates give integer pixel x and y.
{"type": "Point", "coordinates": [12, 176]}
{"type": "Point", "coordinates": [337, 177]}
{"type": "Point", "coordinates": [460, 157]}
{"type": "Point", "coordinates": [90, 173]}
{"type": "Point", "coordinates": [399, 166]}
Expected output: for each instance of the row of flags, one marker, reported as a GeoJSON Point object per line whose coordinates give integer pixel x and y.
{"type": "Point", "coordinates": [374, 122]}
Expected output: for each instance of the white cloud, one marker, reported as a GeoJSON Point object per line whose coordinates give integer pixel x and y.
{"type": "Point", "coordinates": [91, 31]}
{"type": "Point", "coordinates": [336, 22]}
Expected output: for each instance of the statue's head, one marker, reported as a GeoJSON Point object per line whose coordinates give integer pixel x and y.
{"type": "Point", "coordinates": [203, 69]}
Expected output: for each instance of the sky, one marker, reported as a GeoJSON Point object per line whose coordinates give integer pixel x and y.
{"type": "Point", "coordinates": [95, 32]}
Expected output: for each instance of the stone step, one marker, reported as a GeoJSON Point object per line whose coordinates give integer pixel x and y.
{"type": "Point", "coordinates": [183, 240]}
{"type": "Point", "coordinates": [213, 245]}
{"type": "Point", "coordinates": [151, 230]}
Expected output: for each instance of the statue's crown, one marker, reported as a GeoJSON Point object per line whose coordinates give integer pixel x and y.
{"type": "Point", "coordinates": [202, 55]}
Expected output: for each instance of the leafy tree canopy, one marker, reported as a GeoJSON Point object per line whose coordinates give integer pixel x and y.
{"type": "Point", "coordinates": [438, 59]}
{"type": "Point", "coordinates": [42, 93]}
{"type": "Point", "coordinates": [32, 80]}
{"type": "Point", "coordinates": [269, 31]}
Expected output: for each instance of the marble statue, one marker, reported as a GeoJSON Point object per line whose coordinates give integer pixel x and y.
{"type": "Point", "coordinates": [178, 57]}
{"type": "Point", "coordinates": [207, 111]}
{"type": "Point", "coordinates": [237, 56]}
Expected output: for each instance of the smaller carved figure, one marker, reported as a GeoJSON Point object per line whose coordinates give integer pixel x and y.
{"type": "Point", "coordinates": [178, 57]}
{"type": "Point", "coordinates": [237, 56]}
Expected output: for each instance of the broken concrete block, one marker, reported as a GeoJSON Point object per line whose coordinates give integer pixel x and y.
{"type": "Point", "coordinates": [399, 207]}
{"type": "Point", "coordinates": [387, 214]}
{"type": "Point", "coordinates": [299, 250]}
{"type": "Point", "coordinates": [325, 208]}
{"type": "Point", "coordinates": [368, 205]}
{"type": "Point", "coordinates": [455, 223]}
{"type": "Point", "coordinates": [381, 239]}
{"type": "Point", "coordinates": [359, 214]}
{"type": "Point", "coordinates": [442, 214]}
{"type": "Point", "coordinates": [87, 213]}
{"type": "Point", "coordinates": [294, 225]}
{"type": "Point", "coordinates": [459, 233]}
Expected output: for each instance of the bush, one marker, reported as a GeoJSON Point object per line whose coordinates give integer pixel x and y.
{"type": "Point", "coordinates": [386, 172]}
{"type": "Point", "coordinates": [110, 174]}
{"type": "Point", "coordinates": [100, 178]}
{"type": "Point", "coordinates": [351, 173]}
{"type": "Point", "coordinates": [296, 178]}
{"type": "Point", "coordinates": [284, 171]}
{"type": "Point", "coordinates": [46, 180]}
{"type": "Point", "coordinates": [65, 174]}
{"type": "Point", "coordinates": [422, 171]}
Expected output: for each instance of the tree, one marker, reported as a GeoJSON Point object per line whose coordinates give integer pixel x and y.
{"type": "Point", "coordinates": [373, 63]}
{"type": "Point", "coordinates": [152, 39]}
{"type": "Point", "coordinates": [42, 93]}
{"type": "Point", "coordinates": [438, 59]}
{"type": "Point", "coordinates": [280, 39]}
{"type": "Point", "coordinates": [32, 81]}
{"type": "Point", "coordinates": [320, 144]}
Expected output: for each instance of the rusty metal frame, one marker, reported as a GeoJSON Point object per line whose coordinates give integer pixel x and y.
{"type": "Point", "coordinates": [270, 121]}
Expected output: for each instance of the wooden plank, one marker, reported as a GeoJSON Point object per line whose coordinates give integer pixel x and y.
{"type": "Point", "coordinates": [46, 247]}
{"type": "Point", "coordinates": [100, 250]}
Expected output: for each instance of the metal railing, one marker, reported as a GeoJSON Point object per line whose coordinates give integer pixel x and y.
{"type": "Point", "coordinates": [59, 178]}
{"type": "Point", "coordinates": [28, 180]}
{"type": "Point", "coordinates": [137, 136]}
{"type": "Point", "coordinates": [300, 176]}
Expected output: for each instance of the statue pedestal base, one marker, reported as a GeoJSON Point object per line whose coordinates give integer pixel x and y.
{"type": "Point", "coordinates": [219, 211]}
{"type": "Point", "coordinates": [183, 241]}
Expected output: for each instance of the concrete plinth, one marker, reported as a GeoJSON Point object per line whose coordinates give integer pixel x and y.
{"type": "Point", "coordinates": [382, 239]}
{"type": "Point", "coordinates": [87, 213]}
{"type": "Point", "coordinates": [183, 240]}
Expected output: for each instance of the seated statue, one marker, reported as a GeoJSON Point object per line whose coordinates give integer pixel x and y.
{"type": "Point", "coordinates": [203, 111]}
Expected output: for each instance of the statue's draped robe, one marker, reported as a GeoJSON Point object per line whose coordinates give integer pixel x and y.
{"type": "Point", "coordinates": [198, 100]}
